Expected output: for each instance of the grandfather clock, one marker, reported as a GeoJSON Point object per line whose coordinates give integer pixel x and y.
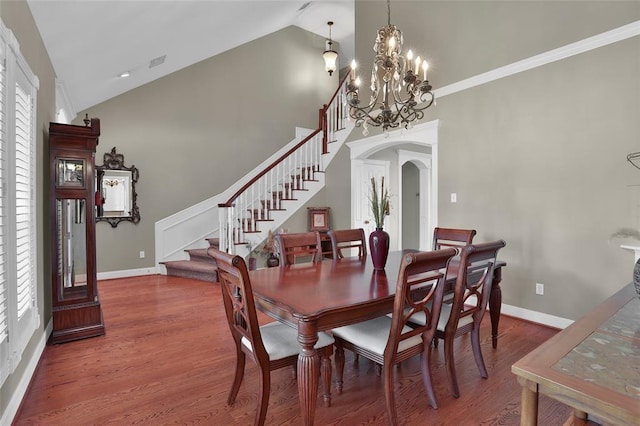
{"type": "Point", "coordinates": [76, 306]}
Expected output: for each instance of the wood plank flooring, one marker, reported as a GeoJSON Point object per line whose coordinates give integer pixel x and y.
{"type": "Point", "coordinates": [168, 357]}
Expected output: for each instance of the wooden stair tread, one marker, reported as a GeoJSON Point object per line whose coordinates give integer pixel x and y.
{"type": "Point", "coordinates": [200, 255]}
{"type": "Point", "coordinates": [203, 271]}
{"type": "Point", "coordinates": [192, 265]}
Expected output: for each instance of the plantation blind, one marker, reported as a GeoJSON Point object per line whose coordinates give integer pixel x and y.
{"type": "Point", "coordinates": [4, 293]}
{"type": "Point", "coordinates": [24, 199]}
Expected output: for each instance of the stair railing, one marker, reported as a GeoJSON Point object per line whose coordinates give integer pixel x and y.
{"type": "Point", "coordinates": [242, 213]}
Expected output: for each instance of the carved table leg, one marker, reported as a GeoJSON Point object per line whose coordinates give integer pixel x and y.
{"type": "Point", "coordinates": [495, 305]}
{"type": "Point", "coordinates": [308, 371]}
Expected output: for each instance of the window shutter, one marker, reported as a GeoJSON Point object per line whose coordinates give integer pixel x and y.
{"type": "Point", "coordinates": [24, 200]}
{"type": "Point", "coordinates": [4, 296]}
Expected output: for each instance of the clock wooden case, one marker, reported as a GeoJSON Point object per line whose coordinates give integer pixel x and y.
{"type": "Point", "coordinates": [76, 306]}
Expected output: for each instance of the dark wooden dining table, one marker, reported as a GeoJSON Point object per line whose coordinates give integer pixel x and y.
{"type": "Point", "coordinates": [318, 297]}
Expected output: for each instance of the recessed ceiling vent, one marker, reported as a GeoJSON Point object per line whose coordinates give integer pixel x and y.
{"type": "Point", "coordinates": [304, 6]}
{"type": "Point", "coordinates": [157, 61]}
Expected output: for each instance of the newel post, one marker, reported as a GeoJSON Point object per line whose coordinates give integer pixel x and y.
{"type": "Point", "coordinates": [323, 126]}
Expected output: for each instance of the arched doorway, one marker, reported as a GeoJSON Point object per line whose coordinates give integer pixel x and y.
{"type": "Point", "coordinates": [410, 220]}
{"type": "Point", "coordinates": [396, 150]}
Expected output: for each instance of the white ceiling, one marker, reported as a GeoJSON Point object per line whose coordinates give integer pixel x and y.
{"type": "Point", "coordinates": [91, 42]}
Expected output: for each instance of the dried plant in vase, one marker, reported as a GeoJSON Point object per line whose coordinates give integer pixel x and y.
{"type": "Point", "coordinates": [380, 204]}
{"type": "Point", "coordinates": [270, 249]}
{"type": "Point", "coordinates": [379, 239]}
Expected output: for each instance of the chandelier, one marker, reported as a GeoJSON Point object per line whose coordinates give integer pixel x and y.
{"type": "Point", "coordinates": [398, 96]}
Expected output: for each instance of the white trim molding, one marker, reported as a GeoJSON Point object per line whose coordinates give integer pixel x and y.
{"type": "Point", "coordinates": [63, 102]}
{"type": "Point", "coordinates": [537, 317]}
{"type": "Point", "coordinates": [25, 379]}
{"type": "Point", "coordinates": [618, 34]}
{"type": "Point", "coordinates": [127, 273]}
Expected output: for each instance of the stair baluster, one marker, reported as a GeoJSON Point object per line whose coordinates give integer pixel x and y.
{"type": "Point", "coordinates": [252, 204]}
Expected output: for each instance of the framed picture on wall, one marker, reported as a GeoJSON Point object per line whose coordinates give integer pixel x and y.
{"type": "Point", "coordinates": [318, 218]}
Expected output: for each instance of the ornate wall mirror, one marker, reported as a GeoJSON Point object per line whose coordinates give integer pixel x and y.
{"type": "Point", "coordinates": [116, 190]}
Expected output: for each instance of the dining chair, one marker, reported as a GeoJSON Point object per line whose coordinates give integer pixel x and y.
{"type": "Point", "coordinates": [302, 244]}
{"type": "Point", "coordinates": [271, 346]}
{"type": "Point", "coordinates": [452, 237]}
{"type": "Point", "coordinates": [389, 340]}
{"type": "Point", "coordinates": [470, 297]}
{"type": "Point", "coordinates": [347, 239]}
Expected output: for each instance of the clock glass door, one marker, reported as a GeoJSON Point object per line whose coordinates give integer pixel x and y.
{"type": "Point", "coordinates": [72, 248]}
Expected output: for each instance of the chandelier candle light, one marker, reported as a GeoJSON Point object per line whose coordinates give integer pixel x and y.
{"type": "Point", "coordinates": [391, 73]}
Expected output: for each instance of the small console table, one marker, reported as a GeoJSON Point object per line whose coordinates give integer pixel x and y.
{"type": "Point", "coordinates": [591, 366]}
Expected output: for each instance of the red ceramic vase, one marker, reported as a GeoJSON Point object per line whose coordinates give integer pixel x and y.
{"type": "Point", "coordinates": [379, 248]}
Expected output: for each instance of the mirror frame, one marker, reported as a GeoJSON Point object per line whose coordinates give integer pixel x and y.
{"type": "Point", "coordinates": [115, 161]}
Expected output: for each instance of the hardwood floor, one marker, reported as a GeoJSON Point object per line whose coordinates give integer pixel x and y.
{"type": "Point", "coordinates": [168, 357]}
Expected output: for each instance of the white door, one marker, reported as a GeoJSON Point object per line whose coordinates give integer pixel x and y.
{"type": "Point", "coordinates": [361, 173]}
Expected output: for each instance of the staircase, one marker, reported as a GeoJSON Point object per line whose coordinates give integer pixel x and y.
{"type": "Point", "coordinates": [261, 201]}
{"type": "Point", "coordinates": [199, 265]}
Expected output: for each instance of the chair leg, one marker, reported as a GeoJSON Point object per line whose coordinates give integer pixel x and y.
{"type": "Point", "coordinates": [389, 394]}
{"type": "Point", "coordinates": [477, 351]}
{"type": "Point", "coordinates": [339, 358]}
{"type": "Point", "coordinates": [451, 365]}
{"type": "Point", "coordinates": [263, 395]}
{"type": "Point", "coordinates": [326, 377]}
{"type": "Point", "coordinates": [237, 380]}
{"type": "Point", "coordinates": [425, 358]}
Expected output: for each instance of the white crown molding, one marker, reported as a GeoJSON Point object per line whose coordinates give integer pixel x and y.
{"type": "Point", "coordinates": [63, 101]}
{"type": "Point", "coordinates": [618, 34]}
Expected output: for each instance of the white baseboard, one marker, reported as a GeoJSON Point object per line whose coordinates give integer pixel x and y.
{"type": "Point", "coordinates": [127, 273]}
{"type": "Point", "coordinates": [537, 317]}
{"type": "Point", "coordinates": [23, 384]}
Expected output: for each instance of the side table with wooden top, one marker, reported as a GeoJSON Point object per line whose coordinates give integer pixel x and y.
{"type": "Point", "coordinates": [593, 365]}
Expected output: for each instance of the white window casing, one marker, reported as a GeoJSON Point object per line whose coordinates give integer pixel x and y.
{"type": "Point", "coordinates": [19, 316]}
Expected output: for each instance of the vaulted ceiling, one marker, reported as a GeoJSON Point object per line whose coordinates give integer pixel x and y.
{"type": "Point", "coordinates": [90, 43]}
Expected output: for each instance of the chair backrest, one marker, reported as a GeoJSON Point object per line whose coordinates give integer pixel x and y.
{"type": "Point", "coordinates": [475, 277]}
{"type": "Point", "coordinates": [420, 287]}
{"type": "Point", "coordinates": [345, 239]}
{"type": "Point", "coordinates": [450, 237]}
{"type": "Point", "coordinates": [302, 244]}
{"type": "Point", "coordinates": [239, 306]}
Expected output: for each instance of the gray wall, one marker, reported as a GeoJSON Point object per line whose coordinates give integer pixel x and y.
{"type": "Point", "coordinates": [537, 158]}
{"type": "Point", "coordinates": [195, 132]}
{"type": "Point", "coordinates": [17, 17]}
{"type": "Point", "coordinates": [410, 205]}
